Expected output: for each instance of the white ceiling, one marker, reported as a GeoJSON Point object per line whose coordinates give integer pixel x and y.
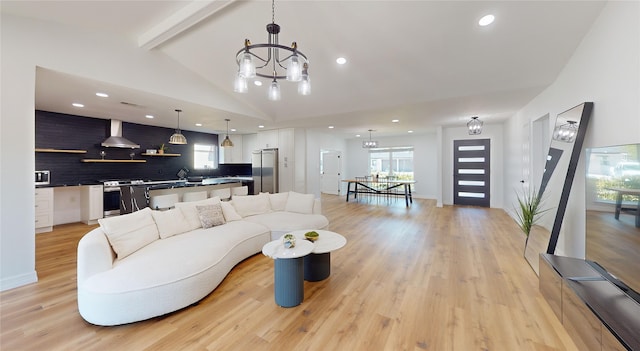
{"type": "Point", "coordinates": [426, 63]}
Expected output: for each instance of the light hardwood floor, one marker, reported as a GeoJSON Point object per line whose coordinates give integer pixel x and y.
{"type": "Point", "coordinates": [418, 278]}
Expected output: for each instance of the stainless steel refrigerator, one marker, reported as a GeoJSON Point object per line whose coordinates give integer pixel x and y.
{"type": "Point", "coordinates": [264, 169]}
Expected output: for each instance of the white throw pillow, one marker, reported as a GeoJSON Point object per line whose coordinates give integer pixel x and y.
{"type": "Point", "coordinates": [229, 212]}
{"type": "Point", "coordinates": [210, 215]}
{"type": "Point", "coordinates": [170, 222]}
{"type": "Point", "coordinates": [131, 232]}
{"type": "Point", "coordinates": [191, 214]}
{"type": "Point", "coordinates": [278, 201]}
{"type": "Point", "coordinates": [299, 203]}
{"type": "Point", "coordinates": [252, 204]}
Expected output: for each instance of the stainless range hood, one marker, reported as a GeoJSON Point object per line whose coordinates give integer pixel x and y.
{"type": "Point", "coordinates": [116, 139]}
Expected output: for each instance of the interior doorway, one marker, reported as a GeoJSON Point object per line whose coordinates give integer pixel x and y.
{"type": "Point", "coordinates": [471, 172]}
{"type": "Point", "coordinates": [330, 171]}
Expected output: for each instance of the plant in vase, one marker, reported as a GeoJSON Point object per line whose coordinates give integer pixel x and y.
{"type": "Point", "coordinates": [162, 148]}
{"type": "Point", "coordinates": [528, 211]}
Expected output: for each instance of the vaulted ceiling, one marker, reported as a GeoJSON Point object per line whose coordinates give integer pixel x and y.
{"type": "Point", "coordinates": [424, 63]}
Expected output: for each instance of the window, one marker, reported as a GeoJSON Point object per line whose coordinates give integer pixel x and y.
{"type": "Point", "coordinates": [614, 167]}
{"type": "Point", "coordinates": [204, 156]}
{"type": "Point", "coordinates": [393, 161]}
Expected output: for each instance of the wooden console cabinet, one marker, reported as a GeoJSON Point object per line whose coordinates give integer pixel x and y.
{"type": "Point", "coordinates": [596, 313]}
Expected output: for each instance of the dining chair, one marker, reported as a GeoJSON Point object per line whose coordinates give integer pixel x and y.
{"type": "Point", "coordinates": [364, 191]}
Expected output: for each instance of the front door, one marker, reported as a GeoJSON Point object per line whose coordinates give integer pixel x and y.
{"type": "Point", "coordinates": [471, 172]}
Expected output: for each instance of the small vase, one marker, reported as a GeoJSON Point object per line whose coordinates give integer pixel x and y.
{"type": "Point", "coordinates": [161, 152]}
{"type": "Point", "coordinates": [289, 241]}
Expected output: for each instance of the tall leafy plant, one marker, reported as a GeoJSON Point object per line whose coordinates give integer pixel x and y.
{"type": "Point", "coordinates": [529, 210]}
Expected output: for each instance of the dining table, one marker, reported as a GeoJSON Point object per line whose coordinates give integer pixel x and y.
{"type": "Point", "coordinates": [380, 187]}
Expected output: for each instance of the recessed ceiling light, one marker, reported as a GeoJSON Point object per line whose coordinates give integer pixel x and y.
{"type": "Point", "coordinates": [102, 94]}
{"type": "Point", "coordinates": [233, 129]}
{"type": "Point", "coordinates": [410, 131]}
{"type": "Point", "coordinates": [149, 116]}
{"type": "Point", "coordinates": [357, 135]}
{"type": "Point", "coordinates": [331, 127]}
{"type": "Point", "coordinates": [395, 120]}
{"type": "Point", "coordinates": [77, 104]}
{"type": "Point", "coordinates": [257, 83]}
{"type": "Point", "coordinates": [198, 124]}
{"type": "Point", "coordinates": [341, 60]}
{"type": "Point", "coordinates": [261, 126]}
{"type": "Point", "coordinates": [486, 20]}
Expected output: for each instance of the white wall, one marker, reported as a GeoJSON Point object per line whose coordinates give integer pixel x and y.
{"type": "Point", "coordinates": [30, 43]}
{"type": "Point", "coordinates": [604, 69]}
{"type": "Point", "coordinates": [424, 161]}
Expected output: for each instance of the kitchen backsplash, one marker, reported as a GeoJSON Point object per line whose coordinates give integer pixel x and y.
{"type": "Point", "coordinates": [62, 131]}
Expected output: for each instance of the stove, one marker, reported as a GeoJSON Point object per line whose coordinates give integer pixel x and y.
{"type": "Point", "coordinates": [113, 195]}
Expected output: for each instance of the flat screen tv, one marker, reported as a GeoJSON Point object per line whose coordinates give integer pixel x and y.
{"type": "Point", "coordinates": [613, 214]}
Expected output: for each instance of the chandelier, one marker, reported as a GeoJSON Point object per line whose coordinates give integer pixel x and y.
{"type": "Point", "coordinates": [177, 137]}
{"type": "Point", "coordinates": [369, 143]}
{"type": "Point", "coordinates": [474, 126]}
{"type": "Point", "coordinates": [227, 142]}
{"type": "Point", "coordinates": [566, 132]}
{"type": "Point", "coordinates": [275, 62]}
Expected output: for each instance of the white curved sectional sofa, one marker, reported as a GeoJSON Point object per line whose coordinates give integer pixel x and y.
{"type": "Point", "coordinates": [149, 263]}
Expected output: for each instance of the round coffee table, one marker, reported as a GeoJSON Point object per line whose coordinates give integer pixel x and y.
{"type": "Point", "coordinates": [288, 271]}
{"type": "Point", "coordinates": [317, 265]}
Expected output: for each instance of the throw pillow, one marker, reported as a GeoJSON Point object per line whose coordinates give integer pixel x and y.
{"type": "Point", "coordinates": [170, 222]}
{"type": "Point", "coordinates": [131, 232]}
{"type": "Point", "coordinates": [210, 215]}
{"type": "Point", "coordinates": [191, 214]}
{"type": "Point", "coordinates": [252, 204]}
{"type": "Point", "coordinates": [299, 203]}
{"type": "Point", "coordinates": [278, 201]}
{"type": "Point", "coordinates": [229, 212]}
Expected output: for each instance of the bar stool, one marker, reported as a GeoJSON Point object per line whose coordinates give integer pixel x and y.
{"type": "Point", "coordinates": [194, 196]}
{"type": "Point", "coordinates": [163, 202]}
{"type": "Point", "coordinates": [239, 191]}
{"type": "Point", "coordinates": [224, 193]}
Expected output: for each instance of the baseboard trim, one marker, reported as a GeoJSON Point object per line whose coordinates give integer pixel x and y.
{"type": "Point", "coordinates": [18, 281]}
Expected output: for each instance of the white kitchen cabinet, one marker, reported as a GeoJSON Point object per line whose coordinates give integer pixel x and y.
{"type": "Point", "coordinates": [44, 210]}
{"type": "Point", "coordinates": [232, 154]}
{"type": "Point", "coordinates": [91, 203]}
{"type": "Point", "coordinates": [268, 139]}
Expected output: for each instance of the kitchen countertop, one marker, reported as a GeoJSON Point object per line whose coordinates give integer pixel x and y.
{"type": "Point", "coordinates": [174, 182]}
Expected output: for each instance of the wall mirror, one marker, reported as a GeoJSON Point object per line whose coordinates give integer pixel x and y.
{"type": "Point", "coordinates": [562, 160]}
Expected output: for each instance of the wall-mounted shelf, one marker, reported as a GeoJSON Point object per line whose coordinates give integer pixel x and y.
{"type": "Point", "coordinates": [62, 151]}
{"type": "Point", "coordinates": [161, 155]}
{"type": "Point", "coordinates": [88, 160]}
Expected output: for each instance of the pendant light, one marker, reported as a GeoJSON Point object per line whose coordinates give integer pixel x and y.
{"type": "Point", "coordinates": [227, 142]}
{"type": "Point", "coordinates": [177, 137]}
{"type": "Point", "coordinates": [474, 126]}
{"type": "Point", "coordinates": [367, 144]}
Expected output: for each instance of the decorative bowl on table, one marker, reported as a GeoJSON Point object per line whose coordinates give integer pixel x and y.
{"type": "Point", "coordinates": [311, 236]}
{"type": "Point", "coordinates": [289, 241]}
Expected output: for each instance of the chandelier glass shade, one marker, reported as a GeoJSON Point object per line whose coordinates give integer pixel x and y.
{"type": "Point", "coordinates": [367, 144]}
{"type": "Point", "coordinates": [474, 126]}
{"type": "Point", "coordinates": [177, 137]}
{"type": "Point", "coordinates": [227, 142]}
{"type": "Point", "coordinates": [566, 132]}
{"type": "Point", "coordinates": [272, 61]}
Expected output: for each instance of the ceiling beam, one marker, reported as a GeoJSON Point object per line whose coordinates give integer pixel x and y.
{"type": "Point", "coordinates": [180, 21]}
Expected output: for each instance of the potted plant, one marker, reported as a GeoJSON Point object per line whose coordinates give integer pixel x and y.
{"type": "Point", "coordinates": [162, 148]}
{"type": "Point", "coordinates": [529, 211]}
